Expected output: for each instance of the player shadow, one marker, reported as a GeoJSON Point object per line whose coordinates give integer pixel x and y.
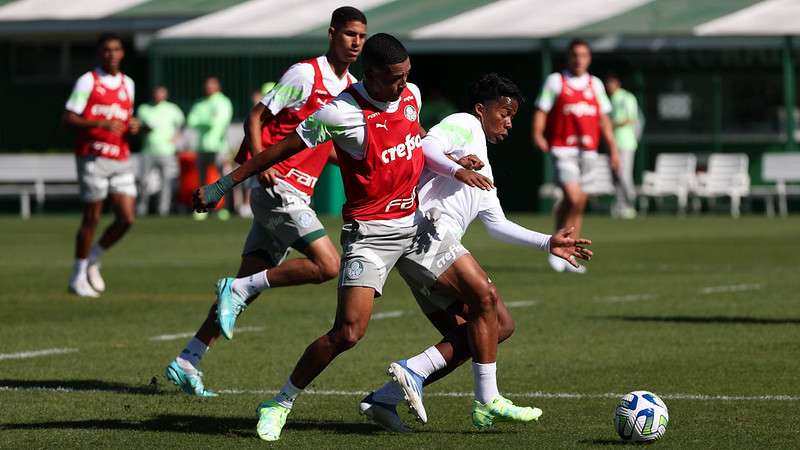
{"type": "Point", "coordinates": [605, 442]}
{"type": "Point", "coordinates": [709, 320]}
{"type": "Point", "coordinates": [226, 426]}
{"type": "Point", "coordinates": [82, 385]}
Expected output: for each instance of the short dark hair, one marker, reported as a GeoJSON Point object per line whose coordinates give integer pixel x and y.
{"type": "Point", "coordinates": [344, 14]}
{"type": "Point", "coordinates": [382, 50]}
{"type": "Point", "coordinates": [611, 75]}
{"type": "Point", "coordinates": [576, 42]}
{"type": "Point", "coordinates": [492, 86]}
{"type": "Point", "coordinates": [107, 36]}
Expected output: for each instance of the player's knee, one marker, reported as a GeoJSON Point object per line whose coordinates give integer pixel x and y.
{"type": "Point", "coordinates": [347, 336]}
{"type": "Point", "coordinates": [486, 299]}
{"type": "Point", "coordinates": [328, 268]}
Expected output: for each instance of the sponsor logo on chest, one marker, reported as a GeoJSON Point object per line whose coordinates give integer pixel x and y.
{"type": "Point", "coordinates": [112, 111]}
{"type": "Point", "coordinates": [403, 150]}
{"type": "Point", "coordinates": [579, 109]}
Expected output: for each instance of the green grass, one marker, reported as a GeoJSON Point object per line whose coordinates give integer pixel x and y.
{"type": "Point", "coordinates": [639, 320]}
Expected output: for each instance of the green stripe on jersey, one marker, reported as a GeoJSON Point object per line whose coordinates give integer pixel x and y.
{"type": "Point", "coordinates": [664, 16]}
{"type": "Point", "coordinates": [403, 17]}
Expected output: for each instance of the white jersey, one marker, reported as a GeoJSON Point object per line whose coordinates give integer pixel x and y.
{"type": "Point", "coordinates": [85, 84]}
{"type": "Point", "coordinates": [294, 87]}
{"type": "Point", "coordinates": [459, 135]}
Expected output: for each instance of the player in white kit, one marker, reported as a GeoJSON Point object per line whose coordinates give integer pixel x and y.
{"type": "Point", "coordinates": [454, 206]}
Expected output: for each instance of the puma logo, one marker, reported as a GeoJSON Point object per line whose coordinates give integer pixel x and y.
{"type": "Point", "coordinates": [382, 125]}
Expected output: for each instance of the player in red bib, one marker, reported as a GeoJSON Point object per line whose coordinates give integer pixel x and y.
{"type": "Point", "coordinates": [281, 197]}
{"type": "Point", "coordinates": [374, 126]}
{"type": "Point", "coordinates": [572, 113]}
{"type": "Point", "coordinates": [101, 110]}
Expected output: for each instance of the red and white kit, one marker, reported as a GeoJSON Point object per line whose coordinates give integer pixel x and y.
{"type": "Point", "coordinates": [574, 120]}
{"type": "Point", "coordinates": [106, 103]}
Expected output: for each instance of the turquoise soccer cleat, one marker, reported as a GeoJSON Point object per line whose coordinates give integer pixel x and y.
{"type": "Point", "coordinates": [229, 306]}
{"type": "Point", "coordinates": [271, 419]}
{"type": "Point", "coordinates": [191, 383]}
{"type": "Point", "coordinates": [501, 409]}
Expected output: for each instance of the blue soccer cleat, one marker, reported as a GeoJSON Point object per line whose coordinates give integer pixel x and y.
{"type": "Point", "coordinates": [411, 384]}
{"type": "Point", "coordinates": [229, 306]}
{"type": "Point", "coordinates": [191, 383]}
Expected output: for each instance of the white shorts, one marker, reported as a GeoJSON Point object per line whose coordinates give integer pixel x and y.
{"type": "Point", "coordinates": [573, 165]}
{"type": "Point", "coordinates": [282, 219]}
{"type": "Point", "coordinates": [100, 176]}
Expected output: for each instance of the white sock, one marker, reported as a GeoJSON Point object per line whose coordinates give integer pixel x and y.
{"type": "Point", "coordinates": [427, 362]}
{"type": "Point", "coordinates": [192, 354]}
{"type": "Point", "coordinates": [485, 381]}
{"type": "Point", "coordinates": [95, 254]}
{"type": "Point", "coordinates": [79, 269]}
{"type": "Point", "coordinates": [247, 287]}
{"type": "Point", "coordinates": [288, 394]}
{"type": "Point", "coordinates": [390, 393]}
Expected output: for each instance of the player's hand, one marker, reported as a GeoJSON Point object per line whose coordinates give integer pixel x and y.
{"type": "Point", "coordinates": [566, 247]}
{"type": "Point", "coordinates": [134, 126]}
{"type": "Point", "coordinates": [614, 161]}
{"type": "Point", "coordinates": [113, 126]}
{"type": "Point", "coordinates": [471, 162]}
{"type": "Point", "coordinates": [474, 179]}
{"type": "Point", "coordinates": [270, 177]}
{"type": "Point", "coordinates": [201, 201]}
{"type": "Point", "coordinates": [541, 143]}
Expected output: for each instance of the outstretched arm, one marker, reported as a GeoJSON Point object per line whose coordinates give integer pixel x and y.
{"type": "Point", "coordinates": [206, 196]}
{"type": "Point", "coordinates": [440, 164]}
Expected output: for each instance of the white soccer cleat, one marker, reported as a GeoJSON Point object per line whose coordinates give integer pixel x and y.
{"type": "Point", "coordinates": [382, 414]}
{"type": "Point", "coordinates": [80, 286]}
{"type": "Point", "coordinates": [556, 263]}
{"type": "Point", "coordinates": [411, 384]}
{"type": "Point", "coordinates": [95, 279]}
{"type": "Point", "coordinates": [572, 269]}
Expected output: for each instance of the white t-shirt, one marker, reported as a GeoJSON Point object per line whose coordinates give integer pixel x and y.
{"type": "Point", "coordinates": [294, 87]}
{"type": "Point", "coordinates": [343, 121]}
{"type": "Point", "coordinates": [83, 88]}
{"type": "Point", "coordinates": [459, 135]}
{"type": "Point", "coordinates": [552, 89]}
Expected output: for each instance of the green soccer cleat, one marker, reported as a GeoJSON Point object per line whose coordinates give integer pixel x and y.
{"type": "Point", "coordinates": [191, 383]}
{"type": "Point", "coordinates": [229, 306]}
{"type": "Point", "coordinates": [271, 419]}
{"type": "Point", "coordinates": [501, 410]}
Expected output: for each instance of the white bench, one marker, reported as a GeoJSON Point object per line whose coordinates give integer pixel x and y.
{"type": "Point", "coordinates": [674, 175]}
{"type": "Point", "coordinates": [779, 168]}
{"type": "Point", "coordinates": [727, 176]}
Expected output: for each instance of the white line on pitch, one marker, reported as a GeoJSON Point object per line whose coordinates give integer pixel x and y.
{"type": "Point", "coordinates": [730, 288]}
{"type": "Point", "coordinates": [520, 304]}
{"type": "Point", "coordinates": [172, 337]}
{"type": "Point", "coordinates": [388, 315]}
{"type": "Point", "coordinates": [37, 353]}
{"type": "Point", "coordinates": [624, 298]}
{"type": "Point", "coordinates": [536, 394]}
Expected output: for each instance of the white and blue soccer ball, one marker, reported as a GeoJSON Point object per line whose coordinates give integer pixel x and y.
{"type": "Point", "coordinates": [641, 416]}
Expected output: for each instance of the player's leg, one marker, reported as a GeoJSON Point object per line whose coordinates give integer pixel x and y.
{"type": "Point", "coordinates": [148, 162]}
{"type": "Point", "coordinates": [78, 282]}
{"type": "Point", "coordinates": [353, 311]}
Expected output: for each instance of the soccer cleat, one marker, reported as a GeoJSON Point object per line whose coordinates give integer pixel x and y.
{"type": "Point", "coordinates": [501, 409]}
{"type": "Point", "coordinates": [411, 383]}
{"type": "Point", "coordinates": [80, 286]}
{"type": "Point", "coordinates": [191, 383]}
{"type": "Point", "coordinates": [556, 263]}
{"type": "Point", "coordinates": [383, 414]}
{"type": "Point", "coordinates": [271, 419]}
{"type": "Point", "coordinates": [94, 277]}
{"type": "Point", "coordinates": [199, 216]}
{"type": "Point", "coordinates": [572, 269]}
{"type": "Point", "coordinates": [229, 306]}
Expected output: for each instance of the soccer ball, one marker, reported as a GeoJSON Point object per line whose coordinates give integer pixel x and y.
{"type": "Point", "coordinates": [641, 416]}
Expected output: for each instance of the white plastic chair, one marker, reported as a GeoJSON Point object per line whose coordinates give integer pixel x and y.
{"type": "Point", "coordinates": [727, 176]}
{"type": "Point", "coordinates": [674, 175]}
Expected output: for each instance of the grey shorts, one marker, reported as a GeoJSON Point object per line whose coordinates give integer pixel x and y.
{"type": "Point", "coordinates": [573, 166]}
{"type": "Point", "coordinates": [100, 176]}
{"type": "Point", "coordinates": [282, 219]}
{"type": "Point", "coordinates": [370, 250]}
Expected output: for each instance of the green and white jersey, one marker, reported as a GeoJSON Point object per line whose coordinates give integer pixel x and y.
{"type": "Point", "coordinates": [164, 120]}
{"type": "Point", "coordinates": [625, 109]}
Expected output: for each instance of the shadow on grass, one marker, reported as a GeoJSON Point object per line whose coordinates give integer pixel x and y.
{"type": "Point", "coordinates": [228, 426]}
{"type": "Point", "coordinates": [605, 442]}
{"type": "Point", "coordinates": [708, 320]}
{"type": "Point", "coordinates": [83, 385]}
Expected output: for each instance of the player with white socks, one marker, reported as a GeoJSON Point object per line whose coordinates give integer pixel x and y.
{"type": "Point", "coordinates": [283, 217]}
{"type": "Point", "coordinates": [454, 206]}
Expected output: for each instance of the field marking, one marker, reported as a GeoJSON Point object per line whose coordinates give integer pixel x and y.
{"type": "Point", "coordinates": [388, 315]}
{"type": "Point", "coordinates": [172, 337]}
{"type": "Point", "coordinates": [536, 394]}
{"type": "Point", "coordinates": [37, 353]}
{"type": "Point", "coordinates": [624, 298]}
{"type": "Point", "coordinates": [730, 288]}
{"type": "Point", "coordinates": [520, 304]}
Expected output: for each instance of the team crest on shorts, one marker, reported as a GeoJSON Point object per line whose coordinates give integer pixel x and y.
{"type": "Point", "coordinates": [305, 219]}
{"type": "Point", "coordinates": [354, 270]}
{"type": "Point", "coordinates": [410, 112]}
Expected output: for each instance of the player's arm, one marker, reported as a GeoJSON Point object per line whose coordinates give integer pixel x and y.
{"type": "Point", "coordinates": [206, 196]}
{"type": "Point", "coordinates": [74, 120]}
{"type": "Point", "coordinates": [440, 164]}
{"type": "Point", "coordinates": [538, 126]}
{"type": "Point", "coordinates": [547, 98]}
{"type": "Point", "coordinates": [608, 134]}
{"type": "Point", "coordinates": [253, 125]}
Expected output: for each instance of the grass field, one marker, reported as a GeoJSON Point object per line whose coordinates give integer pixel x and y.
{"type": "Point", "coordinates": [703, 311]}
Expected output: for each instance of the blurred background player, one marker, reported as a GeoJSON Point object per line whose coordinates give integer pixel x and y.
{"type": "Point", "coordinates": [100, 108]}
{"type": "Point", "coordinates": [571, 113]}
{"type": "Point", "coordinates": [161, 123]}
{"type": "Point", "coordinates": [495, 101]}
{"type": "Point", "coordinates": [283, 218]}
{"type": "Point", "coordinates": [626, 119]}
{"type": "Point", "coordinates": [210, 117]}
